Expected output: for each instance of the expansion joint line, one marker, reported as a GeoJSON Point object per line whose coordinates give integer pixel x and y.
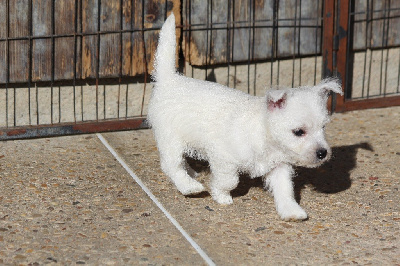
{"type": "Point", "coordinates": [199, 250]}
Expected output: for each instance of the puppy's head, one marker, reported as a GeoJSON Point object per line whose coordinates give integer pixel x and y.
{"type": "Point", "coordinates": [297, 119]}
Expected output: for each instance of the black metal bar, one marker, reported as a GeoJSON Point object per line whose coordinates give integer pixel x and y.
{"type": "Point", "coordinates": [377, 19]}
{"type": "Point", "coordinates": [15, 108]}
{"type": "Point", "coordinates": [298, 43]}
{"type": "Point", "coordinates": [376, 11]}
{"type": "Point", "coordinates": [349, 61]}
{"type": "Point", "coordinates": [294, 42]}
{"type": "Point", "coordinates": [190, 29]}
{"type": "Point", "coordinates": [348, 72]}
{"type": "Point", "coordinates": [232, 38]}
{"type": "Point", "coordinates": [228, 41]}
{"type": "Point", "coordinates": [8, 66]}
{"type": "Point", "coordinates": [387, 50]}
{"type": "Point", "coordinates": [274, 37]}
{"type": "Point", "coordinates": [75, 56]}
{"type": "Point", "coordinates": [98, 59]}
{"type": "Point", "coordinates": [166, 10]}
{"type": "Point", "coordinates": [250, 9]}
{"type": "Point", "coordinates": [30, 56]}
{"type": "Point", "coordinates": [81, 51]}
{"type": "Point", "coordinates": [29, 64]}
{"type": "Point", "coordinates": [193, 27]}
{"type": "Point", "coordinates": [252, 53]}
{"type": "Point", "coordinates": [370, 55]}
{"type": "Point", "coordinates": [120, 55]}
{"type": "Point", "coordinates": [398, 77]}
{"type": "Point", "coordinates": [208, 45]}
{"type": "Point", "coordinates": [130, 59]}
{"type": "Point", "coordinates": [277, 44]}
{"type": "Point", "coordinates": [145, 59]}
{"type": "Point", "coordinates": [106, 32]}
{"type": "Point", "coordinates": [316, 42]}
{"type": "Point", "coordinates": [366, 48]}
{"type": "Point", "coordinates": [8, 56]}
{"type": "Point", "coordinates": [53, 31]}
{"type": "Point", "coordinates": [381, 68]}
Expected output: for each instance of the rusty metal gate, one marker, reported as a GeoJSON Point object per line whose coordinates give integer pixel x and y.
{"type": "Point", "coordinates": [364, 51]}
{"type": "Point", "coordinates": [72, 67]}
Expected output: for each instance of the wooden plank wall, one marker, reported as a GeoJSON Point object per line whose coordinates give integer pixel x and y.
{"type": "Point", "coordinates": [47, 40]}
{"type": "Point", "coordinates": [83, 39]}
{"type": "Point", "coordinates": [250, 30]}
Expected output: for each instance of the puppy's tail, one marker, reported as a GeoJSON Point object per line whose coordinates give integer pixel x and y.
{"type": "Point", "coordinates": [164, 62]}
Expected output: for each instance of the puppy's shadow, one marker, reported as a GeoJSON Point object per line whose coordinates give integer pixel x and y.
{"type": "Point", "coordinates": [334, 175]}
{"type": "Point", "coordinates": [331, 177]}
{"type": "Point", "coordinates": [245, 182]}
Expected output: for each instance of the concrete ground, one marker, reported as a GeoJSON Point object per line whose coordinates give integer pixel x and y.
{"type": "Point", "coordinates": [68, 200]}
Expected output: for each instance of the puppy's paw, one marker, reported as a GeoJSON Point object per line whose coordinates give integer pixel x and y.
{"type": "Point", "coordinates": [222, 198]}
{"type": "Point", "coordinates": [291, 212]}
{"type": "Point", "coordinates": [189, 188]}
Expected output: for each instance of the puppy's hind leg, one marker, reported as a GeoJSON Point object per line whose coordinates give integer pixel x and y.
{"type": "Point", "coordinates": [279, 181]}
{"type": "Point", "coordinates": [173, 165]}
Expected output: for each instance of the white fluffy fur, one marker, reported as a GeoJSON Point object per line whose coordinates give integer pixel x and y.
{"type": "Point", "coordinates": [236, 132]}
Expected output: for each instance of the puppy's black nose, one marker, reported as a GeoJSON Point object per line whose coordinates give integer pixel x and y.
{"type": "Point", "coordinates": [321, 153]}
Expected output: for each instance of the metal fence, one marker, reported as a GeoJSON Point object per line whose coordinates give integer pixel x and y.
{"type": "Point", "coordinates": [74, 66]}
{"type": "Point", "coordinates": [254, 45]}
{"type": "Point", "coordinates": [69, 67]}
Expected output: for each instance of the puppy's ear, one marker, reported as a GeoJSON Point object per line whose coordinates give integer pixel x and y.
{"type": "Point", "coordinates": [276, 99]}
{"type": "Point", "coordinates": [328, 85]}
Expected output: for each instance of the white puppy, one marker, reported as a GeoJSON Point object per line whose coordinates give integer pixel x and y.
{"type": "Point", "coordinates": [236, 132]}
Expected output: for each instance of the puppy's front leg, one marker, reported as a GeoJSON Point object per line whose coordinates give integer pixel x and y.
{"type": "Point", "coordinates": [224, 179]}
{"type": "Point", "coordinates": [279, 181]}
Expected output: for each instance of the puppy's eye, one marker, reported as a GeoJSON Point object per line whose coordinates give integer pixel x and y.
{"type": "Point", "coordinates": [299, 132]}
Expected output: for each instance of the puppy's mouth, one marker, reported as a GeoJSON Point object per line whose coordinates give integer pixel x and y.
{"type": "Point", "coordinates": [313, 162]}
{"type": "Point", "coordinates": [314, 165]}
